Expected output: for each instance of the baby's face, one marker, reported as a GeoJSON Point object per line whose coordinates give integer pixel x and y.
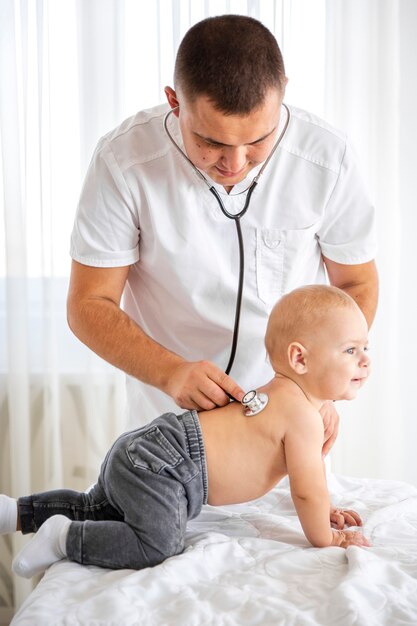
{"type": "Point", "coordinates": [338, 361]}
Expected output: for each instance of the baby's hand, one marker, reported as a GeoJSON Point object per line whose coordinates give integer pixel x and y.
{"type": "Point", "coordinates": [339, 518]}
{"type": "Point", "coordinates": [346, 538]}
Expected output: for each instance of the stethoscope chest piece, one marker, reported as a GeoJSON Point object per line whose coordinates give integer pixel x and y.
{"type": "Point", "coordinates": [254, 402]}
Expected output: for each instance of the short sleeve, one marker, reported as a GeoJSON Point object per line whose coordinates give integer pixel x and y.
{"type": "Point", "coordinates": [348, 234]}
{"type": "Point", "coordinates": [106, 229]}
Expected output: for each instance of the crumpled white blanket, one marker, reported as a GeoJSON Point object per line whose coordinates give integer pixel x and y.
{"type": "Point", "coordinates": [250, 565]}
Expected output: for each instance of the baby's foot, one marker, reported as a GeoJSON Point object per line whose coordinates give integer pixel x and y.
{"type": "Point", "coordinates": [46, 547]}
{"type": "Point", "coordinates": [8, 514]}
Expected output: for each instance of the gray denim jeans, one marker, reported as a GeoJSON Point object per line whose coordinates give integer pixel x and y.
{"type": "Point", "coordinates": [152, 481]}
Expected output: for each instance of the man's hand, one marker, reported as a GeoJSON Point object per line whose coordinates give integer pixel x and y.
{"type": "Point", "coordinates": [331, 425]}
{"type": "Point", "coordinates": [95, 316]}
{"type": "Point", "coordinates": [346, 538]}
{"type": "Point", "coordinates": [201, 385]}
{"type": "Point", "coordinates": [339, 518]}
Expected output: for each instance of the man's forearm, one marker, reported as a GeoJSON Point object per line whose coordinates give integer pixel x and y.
{"type": "Point", "coordinates": [95, 317]}
{"type": "Point", "coordinates": [359, 281]}
{"type": "Point", "coordinates": [107, 330]}
{"type": "Point", "coordinates": [366, 297]}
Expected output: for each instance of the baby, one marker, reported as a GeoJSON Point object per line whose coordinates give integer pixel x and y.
{"type": "Point", "coordinates": [157, 477]}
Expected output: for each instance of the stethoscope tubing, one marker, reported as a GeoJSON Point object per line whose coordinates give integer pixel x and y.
{"type": "Point", "coordinates": [236, 217]}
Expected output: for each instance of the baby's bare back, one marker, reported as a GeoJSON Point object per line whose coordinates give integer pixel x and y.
{"type": "Point", "coordinates": [245, 455]}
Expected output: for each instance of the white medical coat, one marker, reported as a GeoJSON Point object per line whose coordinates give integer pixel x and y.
{"type": "Point", "coordinates": [143, 205]}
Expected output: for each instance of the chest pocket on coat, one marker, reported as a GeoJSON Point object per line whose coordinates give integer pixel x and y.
{"type": "Point", "coordinates": [269, 263]}
{"type": "Point", "coordinates": [285, 258]}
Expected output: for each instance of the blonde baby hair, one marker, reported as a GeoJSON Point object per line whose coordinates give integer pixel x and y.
{"type": "Point", "coordinates": [298, 314]}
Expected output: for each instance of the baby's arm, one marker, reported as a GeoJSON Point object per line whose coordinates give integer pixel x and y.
{"type": "Point", "coordinates": [303, 451]}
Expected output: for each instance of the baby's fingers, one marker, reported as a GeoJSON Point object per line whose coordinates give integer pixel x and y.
{"type": "Point", "coordinates": [355, 539]}
{"type": "Point", "coordinates": [352, 518]}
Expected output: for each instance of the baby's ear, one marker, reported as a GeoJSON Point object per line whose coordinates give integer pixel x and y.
{"type": "Point", "coordinates": [297, 357]}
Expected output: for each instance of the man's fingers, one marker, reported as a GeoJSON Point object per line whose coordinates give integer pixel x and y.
{"type": "Point", "coordinates": [202, 402]}
{"type": "Point", "coordinates": [331, 426]}
{"type": "Point", "coordinates": [228, 385]}
{"type": "Point", "coordinates": [212, 388]}
{"type": "Point", "coordinates": [327, 446]}
{"type": "Point", "coordinates": [203, 386]}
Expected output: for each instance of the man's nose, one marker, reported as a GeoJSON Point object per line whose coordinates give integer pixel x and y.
{"type": "Point", "coordinates": [234, 158]}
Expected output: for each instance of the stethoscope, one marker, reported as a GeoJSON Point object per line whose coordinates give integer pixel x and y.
{"type": "Point", "coordinates": [236, 217]}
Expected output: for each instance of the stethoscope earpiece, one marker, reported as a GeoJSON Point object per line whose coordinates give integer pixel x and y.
{"type": "Point", "coordinates": [254, 402]}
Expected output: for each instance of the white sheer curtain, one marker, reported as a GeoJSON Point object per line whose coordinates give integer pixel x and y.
{"type": "Point", "coordinates": [371, 92]}
{"type": "Point", "coordinates": [60, 405]}
{"type": "Point", "coordinates": [70, 71]}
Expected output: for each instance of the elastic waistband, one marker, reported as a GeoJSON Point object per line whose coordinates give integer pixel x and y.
{"type": "Point", "coordinates": [195, 445]}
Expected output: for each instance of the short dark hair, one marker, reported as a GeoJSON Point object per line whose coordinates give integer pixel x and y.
{"type": "Point", "coordinates": [232, 59]}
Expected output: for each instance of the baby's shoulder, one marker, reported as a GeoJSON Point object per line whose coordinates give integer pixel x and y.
{"type": "Point", "coordinates": [298, 408]}
{"type": "Point", "coordinates": [296, 412]}
{"type": "Point", "coordinates": [289, 408]}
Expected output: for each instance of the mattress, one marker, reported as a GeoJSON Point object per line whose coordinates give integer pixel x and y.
{"type": "Point", "coordinates": [251, 565]}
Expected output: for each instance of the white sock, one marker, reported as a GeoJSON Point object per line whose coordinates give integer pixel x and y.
{"type": "Point", "coordinates": [46, 547]}
{"type": "Point", "coordinates": [8, 514]}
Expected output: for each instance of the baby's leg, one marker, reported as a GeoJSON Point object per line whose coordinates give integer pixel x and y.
{"type": "Point", "coordinates": [117, 545]}
{"type": "Point", "coordinates": [110, 544]}
{"type": "Point", "coordinates": [155, 531]}
{"type": "Point", "coordinates": [49, 514]}
{"type": "Point", "coordinates": [35, 509]}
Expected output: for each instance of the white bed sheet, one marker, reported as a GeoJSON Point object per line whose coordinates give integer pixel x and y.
{"type": "Point", "coordinates": [251, 565]}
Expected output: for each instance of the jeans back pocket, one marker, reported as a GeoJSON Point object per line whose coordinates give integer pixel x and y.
{"type": "Point", "coordinates": [152, 451]}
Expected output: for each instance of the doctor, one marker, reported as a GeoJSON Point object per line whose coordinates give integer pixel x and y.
{"type": "Point", "coordinates": [156, 263]}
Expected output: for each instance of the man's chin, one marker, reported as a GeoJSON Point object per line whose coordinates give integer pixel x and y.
{"type": "Point", "coordinates": [226, 179]}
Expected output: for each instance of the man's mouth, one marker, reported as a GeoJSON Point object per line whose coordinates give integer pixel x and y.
{"type": "Point", "coordinates": [227, 173]}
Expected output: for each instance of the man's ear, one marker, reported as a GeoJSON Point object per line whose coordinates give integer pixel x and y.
{"type": "Point", "coordinates": [283, 86]}
{"type": "Point", "coordinates": [172, 100]}
{"type": "Point", "coordinates": [297, 357]}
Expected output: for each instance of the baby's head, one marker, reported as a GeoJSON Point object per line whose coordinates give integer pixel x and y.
{"type": "Point", "coordinates": [319, 335]}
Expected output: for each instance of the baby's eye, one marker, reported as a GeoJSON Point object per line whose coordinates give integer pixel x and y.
{"type": "Point", "coordinates": [366, 349]}
{"type": "Point", "coordinates": [350, 350]}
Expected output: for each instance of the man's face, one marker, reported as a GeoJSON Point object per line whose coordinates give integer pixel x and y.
{"type": "Point", "coordinates": [228, 147]}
